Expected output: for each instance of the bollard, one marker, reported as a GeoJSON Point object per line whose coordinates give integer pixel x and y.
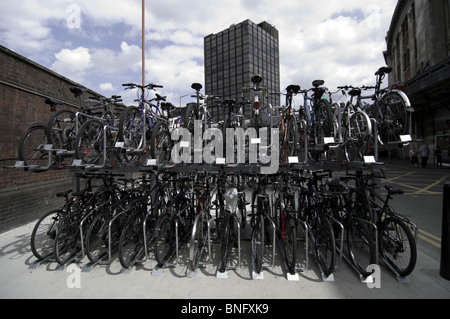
{"type": "Point", "coordinates": [445, 248]}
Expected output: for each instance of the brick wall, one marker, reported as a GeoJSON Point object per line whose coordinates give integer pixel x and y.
{"type": "Point", "coordinates": [24, 86]}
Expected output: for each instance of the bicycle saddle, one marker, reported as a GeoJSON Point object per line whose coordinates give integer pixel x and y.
{"type": "Point", "coordinates": [293, 88]}
{"type": "Point", "coordinates": [257, 79]}
{"type": "Point", "coordinates": [318, 83]}
{"type": "Point", "coordinates": [392, 190]}
{"type": "Point", "coordinates": [53, 102]}
{"type": "Point", "coordinates": [383, 70]}
{"type": "Point", "coordinates": [354, 92]}
{"type": "Point", "coordinates": [77, 91]}
{"type": "Point", "coordinates": [160, 98]}
{"type": "Point", "coordinates": [196, 86]}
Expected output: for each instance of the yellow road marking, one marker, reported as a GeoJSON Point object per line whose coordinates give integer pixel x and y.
{"type": "Point", "coordinates": [432, 185]}
{"type": "Point", "coordinates": [429, 238]}
{"type": "Point", "coordinates": [430, 235]}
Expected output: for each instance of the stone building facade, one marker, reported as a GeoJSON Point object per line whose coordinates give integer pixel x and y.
{"type": "Point", "coordinates": [418, 50]}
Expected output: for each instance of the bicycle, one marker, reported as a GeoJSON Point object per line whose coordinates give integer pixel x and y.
{"type": "Point", "coordinates": [146, 124]}
{"type": "Point", "coordinates": [32, 148]}
{"type": "Point", "coordinates": [391, 108]}
{"type": "Point", "coordinates": [96, 140]}
{"type": "Point", "coordinates": [396, 243]}
{"type": "Point", "coordinates": [356, 126]}
{"type": "Point", "coordinates": [288, 131]}
{"type": "Point", "coordinates": [175, 225]}
{"type": "Point", "coordinates": [317, 114]}
{"type": "Point", "coordinates": [314, 209]}
{"type": "Point", "coordinates": [200, 237]}
{"type": "Point", "coordinates": [261, 223]}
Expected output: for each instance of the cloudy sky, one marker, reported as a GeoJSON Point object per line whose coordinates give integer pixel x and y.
{"type": "Point", "coordinates": [98, 42]}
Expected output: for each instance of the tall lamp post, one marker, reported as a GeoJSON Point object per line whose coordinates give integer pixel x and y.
{"type": "Point", "coordinates": [143, 42]}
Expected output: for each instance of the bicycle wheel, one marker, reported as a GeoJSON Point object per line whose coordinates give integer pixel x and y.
{"type": "Point", "coordinates": [257, 241]}
{"type": "Point", "coordinates": [131, 244]}
{"type": "Point", "coordinates": [397, 246]}
{"type": "Point", "coordinates": [289, 237]}
{"type": "Point", "coordinates": [97, 238]}
{"type": "Point", "coordinates": [198, 241]}
{"type": "Point", "coordinates": [32, 146]}
{"type": "Point", "coordinates": [44, 234]}
{"type": "Point", "coordinates": [160, 143]}
{"type": "Point", "coordinates": [288, 140]}
{"type": "Point", "coordinates": [164, 244]}
{"type": "Point", "coordinates": [393, 120]}
{"type": "Point", "coordinates": [89, 145]}
{"type": "Point", "coordinates": [132, 128]}
{"type": "Point", "coordinates": [357, 136]}
{"type": "Point", "coordinates": [227, 236]}
{"type": "Point", "coordinates": [62, 130]}
{"type": "Point", "coordinates": [323, 125]}
{"type": "Point", "coordinates": [361, 246]}
{"type": "Point", "coordinates": [325, 244]}
{"type": "Point", "coordinates": [66, 241]}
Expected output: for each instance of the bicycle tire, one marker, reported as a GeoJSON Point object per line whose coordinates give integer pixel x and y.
{"type": "Point", "coordinates": [164, 244]}
{"type": "Point", "coordinates": [398, 251]}
{"type": "Point", "coordinates": [97, 238]}
{"type": "Point", "coordinates": [257, 241]}
{"type": "Point", "coordinates": [89, 144]}
{"type": "Point", "coordinates": [44, 234]}
{"type": "Point", "coordinates": [288, 140]}
{"type": "Point", "coordinates": [394, 120]}
{"type": "Point", "coordinates": [131, 243]}
{"type": "Point", "coordinates": [66, 242]}
{"type": "Point", "coordinates": [160, 143]}
{"type": "Point", "coordinates": [132, 128]}
{"type": "Point", "coordinates": [62, 130]}
{"type": "Point", "coordinates": [357, 137]}
{"type": "Point", "coordinates": [198, 241]}
{"type": "Point", "coordinates": [225, 233]}
{"type": "Point", "coordinates": [32, 146]}
{"type": "Point", "coordinates": [325, 245]}
{"type": "Point", "coordinates": [323, 126]}
{"type": "Point", "coordinates": [289, 237]}
{"type": "Point", "coordinates": [361, 246]}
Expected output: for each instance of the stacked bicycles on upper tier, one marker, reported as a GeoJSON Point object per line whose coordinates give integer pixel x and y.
{"type": "Point", "coordinates": [97, 137]}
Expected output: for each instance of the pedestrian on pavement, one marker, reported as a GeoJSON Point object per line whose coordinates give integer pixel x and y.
{"type": "Point", "coordinates": [438, 154]}
{"type": "Point", "coordinates": [413, 156]}
{"type": "Point", "coordinates": [425, 154]}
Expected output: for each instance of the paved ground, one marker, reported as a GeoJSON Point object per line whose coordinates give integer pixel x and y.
{"type": "Point", "coordinates": [19, 279]}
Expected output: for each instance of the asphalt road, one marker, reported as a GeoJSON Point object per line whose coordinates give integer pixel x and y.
{"type": "Point", "coordinates": [422, 203]}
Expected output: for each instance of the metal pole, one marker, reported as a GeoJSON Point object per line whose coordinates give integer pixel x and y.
{"type": "Point", "coordinates": [445, 248]}
{"type": "Point", "coordinates": [143, 42]}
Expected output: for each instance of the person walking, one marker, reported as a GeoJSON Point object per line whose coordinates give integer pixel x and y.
{"type": "Point", "coordinates": [425, 154]}
{"type": "Point", "coordinates": [438, 154]}
{"type": "Point", "coordinates": [413, 156]}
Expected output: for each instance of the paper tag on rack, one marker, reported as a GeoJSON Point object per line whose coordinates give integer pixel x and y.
{"type": "Point", "coordinates": [151, 162]}
{"type": "Point", "coordinates": [120, 144]}
{"type": "Point", "coordinates": [328, 140]}
{"type": "Point", "coordinates": [255, 141]}
{"type": "Point", "coordinates": [293, 159]}
{"type": "Point", "coordinates": [76, 162]}
{"type": "Point", "coordinates": [220, 161]}
{"type": "Point", "coordinates": [405, 138]}
{"type": "Point", "coordinates": [369, 159]}
{"type": "Point", "coordinates": [184, 144]}
{"type": "Point", "coordinates": [48, 147]}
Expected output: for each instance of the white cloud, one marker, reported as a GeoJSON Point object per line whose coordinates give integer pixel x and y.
{"type": "Point", "coordinates": [106, 87]}
{"type": "Point", "coordinates": [73, 63]}
{"type": "Point", "coordinates": [340, 42]}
